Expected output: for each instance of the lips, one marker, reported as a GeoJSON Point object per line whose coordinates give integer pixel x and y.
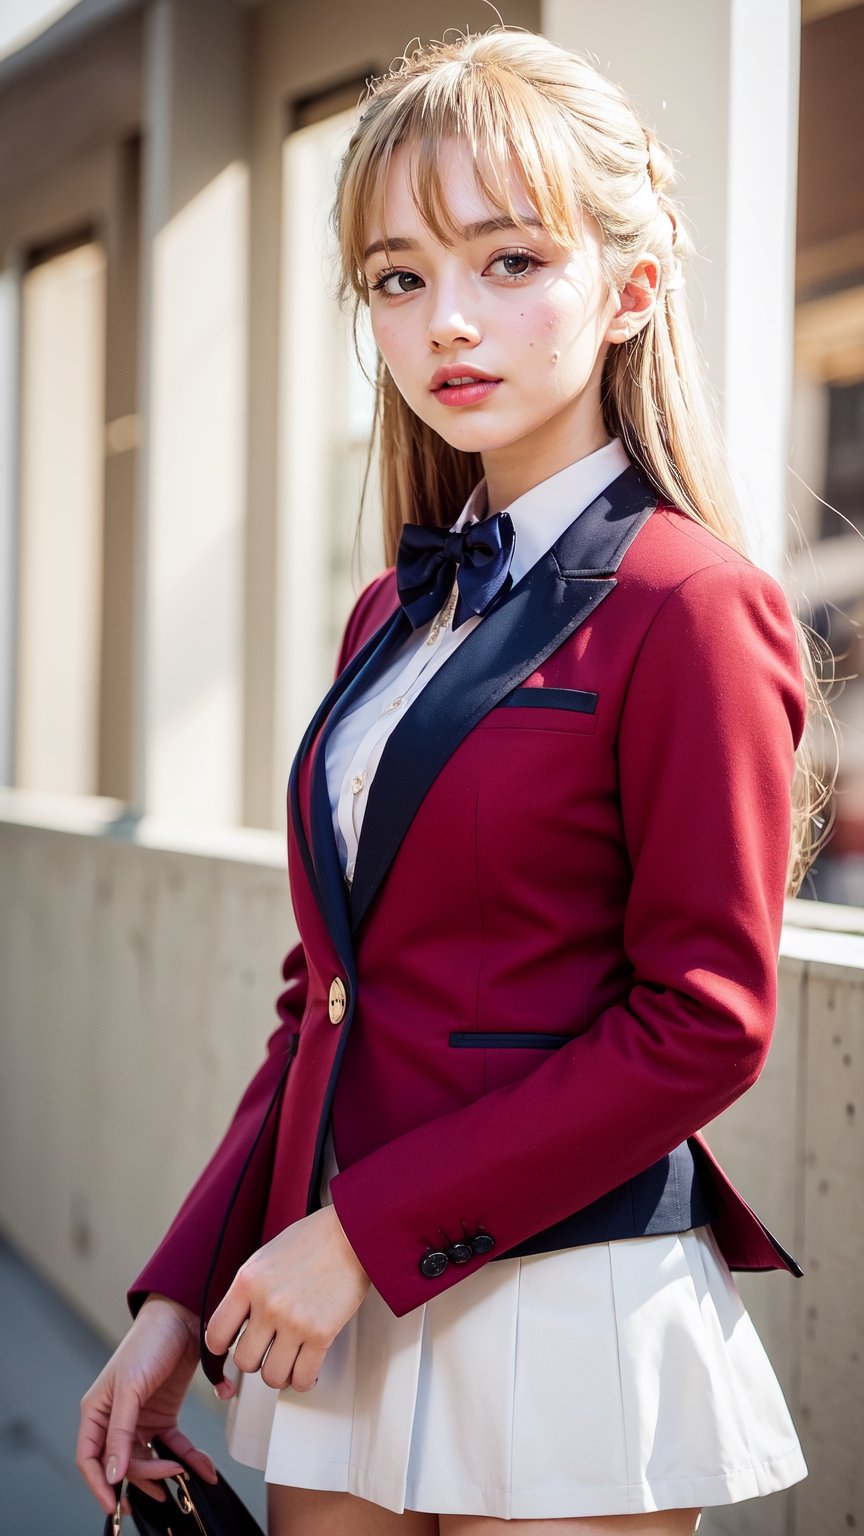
{"type": "Point", "coordinates": [457, 384]}
{"type": "Point", "coordinates": [454, 374]}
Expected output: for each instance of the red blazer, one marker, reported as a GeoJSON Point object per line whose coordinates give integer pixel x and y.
{"type": "Point", "coordinates": [579, 829]}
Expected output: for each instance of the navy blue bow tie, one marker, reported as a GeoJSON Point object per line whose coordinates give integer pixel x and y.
{"type": "Point", "coordinates": [481, 554]}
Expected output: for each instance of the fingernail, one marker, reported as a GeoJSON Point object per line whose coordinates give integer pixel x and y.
{"type": "Point", "coordinates": [111, 1470]}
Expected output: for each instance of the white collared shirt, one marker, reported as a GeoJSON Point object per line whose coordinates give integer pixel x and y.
{"type": "Point", "coordinates": [353, 750]}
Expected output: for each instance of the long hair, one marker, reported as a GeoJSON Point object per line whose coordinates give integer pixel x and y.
{"type": "Point", "coordinates": [519, 99]}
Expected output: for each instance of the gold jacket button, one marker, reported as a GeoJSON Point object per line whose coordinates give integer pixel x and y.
{"type": "Point", "coordinates": [337, 1000]}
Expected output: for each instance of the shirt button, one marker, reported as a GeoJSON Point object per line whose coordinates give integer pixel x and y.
{"type": "Point", "coordinates": [337, 1000]}
{"type": "Point", "coordinates": [357, 783]}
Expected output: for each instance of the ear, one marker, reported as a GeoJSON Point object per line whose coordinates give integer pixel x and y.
{"type": "Point", "coordinates": [636, 301]}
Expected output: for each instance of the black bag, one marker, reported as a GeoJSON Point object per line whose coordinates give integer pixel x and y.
{"type": "Point", "coordinates": [192, 1508]}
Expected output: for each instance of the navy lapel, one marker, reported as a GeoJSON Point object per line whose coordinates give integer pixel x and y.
{"type": "Point", "coordinates": [324, 873]}
{"type": "Point", "coordinates": [516, 636]}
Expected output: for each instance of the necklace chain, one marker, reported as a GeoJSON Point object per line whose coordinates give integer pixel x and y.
{"type": "Point", "coordinates": [443, 618]}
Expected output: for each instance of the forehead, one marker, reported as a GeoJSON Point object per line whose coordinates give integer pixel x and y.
{"type": "Point", "coordinates": [413, 203]}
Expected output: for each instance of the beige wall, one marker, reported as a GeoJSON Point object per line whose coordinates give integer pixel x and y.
{"type": "Point", "coordinates": [138, 990]}
{"type": "Point", "coordinates": [192, 228]}
{"type": "Point", "coordinates": [139, 980]}
{"type": "Point", "coordinates": [54, 185]}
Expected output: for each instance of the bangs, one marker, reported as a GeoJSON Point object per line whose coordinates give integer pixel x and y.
{"type": "Point", "coordinates": [518, 138]}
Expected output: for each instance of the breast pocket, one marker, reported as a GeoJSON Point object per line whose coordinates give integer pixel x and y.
{"type": "Point", "coordinates": [509, 1056]}
{"type": "Point", "coordinates": [547, 709]}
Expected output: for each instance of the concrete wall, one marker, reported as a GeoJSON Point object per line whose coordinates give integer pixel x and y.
{"type": "Point", "coordinates": [139, 973]}
{"type": "Point", "coordinates": [138, 988]}
{"type": "Point", "coordinates": [793, 1145]}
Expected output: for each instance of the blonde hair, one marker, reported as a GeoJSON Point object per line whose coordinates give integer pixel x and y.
{"type": "Point", "coordinates": [519, 99]}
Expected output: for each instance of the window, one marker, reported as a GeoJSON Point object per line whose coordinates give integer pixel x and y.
{"type": "Point", "coordinates": [844, 487]}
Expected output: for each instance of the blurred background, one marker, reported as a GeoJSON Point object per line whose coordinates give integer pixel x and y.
{"type": "Point", "coordinates": [183, 435]}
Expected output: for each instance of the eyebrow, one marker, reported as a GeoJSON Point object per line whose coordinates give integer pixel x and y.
{"type": "Point", "coordinates": [465, 232]}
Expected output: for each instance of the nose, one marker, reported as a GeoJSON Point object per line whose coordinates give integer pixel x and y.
{"type": "Point", "coordinates": [449, 324]}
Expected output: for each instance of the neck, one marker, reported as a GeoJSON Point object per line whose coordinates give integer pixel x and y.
{"type": "Point", "coordinates": [513, 470]}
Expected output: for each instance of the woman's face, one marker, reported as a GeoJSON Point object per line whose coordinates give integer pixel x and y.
{"type": "Point", "coordinates": [526, 316]}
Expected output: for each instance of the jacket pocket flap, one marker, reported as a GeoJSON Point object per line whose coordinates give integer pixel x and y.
{"type": "Point", "coordinates": [524, 1040]}
{"type": "Point", "coordinates": [578, 699]}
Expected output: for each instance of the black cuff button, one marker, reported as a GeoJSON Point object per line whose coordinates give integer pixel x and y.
{"type": "Point", "coordinates": [433, 1263]}
{"type": "Point", "coordinates": [460, 1253]}
{"type": "Point", "coordinates": [482, 1243]}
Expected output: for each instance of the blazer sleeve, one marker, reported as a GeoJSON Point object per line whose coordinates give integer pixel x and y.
{"type": "Point", "coordinates": [710, 721]}
{"type": "Point", "coordinates": [180, 1264]}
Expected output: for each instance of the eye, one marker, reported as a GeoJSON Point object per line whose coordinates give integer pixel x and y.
{"type": "Point", "coordinates": [397, 275]}
{"type": "Point", "coordinates": [517, 264]}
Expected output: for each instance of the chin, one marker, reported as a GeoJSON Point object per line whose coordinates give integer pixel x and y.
{"type": "Point", "coordinates": [473, 437]}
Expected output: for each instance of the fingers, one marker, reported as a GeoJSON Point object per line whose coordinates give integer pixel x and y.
{"type": "Point", "coordinates": [253, 1345]}
{"type": "Point", "coordinates": [147, 1470]}
{"type": "Point", "coordinates": [143, 1465]}
{"type": "Point", "coordinates": [307, 1367]}
{"type": "Point", "coordinates": [294, 1363]}
{"type": "Point", "coordinates": [90, 1449]}
{"type": "Point", "coordinates": [230, 1383]}
{"type": "Point", "coordinates": [148, 1374]}
{"type": "Point", "coordinates": [228, 1319]}
{"type": "Point", "coordinates": [146, 1485]}
{"type": "Point", "coordinates": [175, 1440]}
{"type": "Point", "coordinates": [92, 1471]}
{"type": "Point", "coordinates": [122, 1432]}
{"type": "Point", "coordinates": [290, 1359]}
{"type": "Point", "coordinates": [277, 1368]}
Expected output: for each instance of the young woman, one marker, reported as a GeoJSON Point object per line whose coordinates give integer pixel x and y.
{"type": "Point", "coordinates": [539, 839]}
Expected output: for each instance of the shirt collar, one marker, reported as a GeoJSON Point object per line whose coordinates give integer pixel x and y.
{"type": "Point", "coordinates": [541, 515]}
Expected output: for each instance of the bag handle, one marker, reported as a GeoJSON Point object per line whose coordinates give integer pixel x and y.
{"type": "Point", "coordinates": [184, 1499]}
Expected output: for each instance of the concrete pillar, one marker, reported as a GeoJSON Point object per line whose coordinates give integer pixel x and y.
{"type": "Point", "coordinates": [122, 435]}
{"type": "Point", "coordinates": [192, 489]}
{"type": "Point", "coordinates": [10, 301]}
{"type": "Point", "coordinates": [719, 84]}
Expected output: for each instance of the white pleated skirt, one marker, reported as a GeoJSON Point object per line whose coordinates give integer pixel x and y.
{"type": "Point", "coordinates": [614, 1378]}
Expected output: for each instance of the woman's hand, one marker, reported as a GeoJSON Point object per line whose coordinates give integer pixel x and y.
{"type": "Point", "coordinates": [136, 1396]}
{"type": "Point", "coordinates": [294, 1295]}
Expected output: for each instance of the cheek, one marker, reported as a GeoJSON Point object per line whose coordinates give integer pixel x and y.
{"type": "Point", "coordinates": [575, 334]}
{"type": "Point", "coordinates": [385, 336]}
{"type": "Point", "coordinates": [398, 349]}
{"type": "Point", "coordinates": [557, 341]}
{"type": "Point", "coordinates": [553, 325]}
{"type": "Point", "coordinates": [530, 337]}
